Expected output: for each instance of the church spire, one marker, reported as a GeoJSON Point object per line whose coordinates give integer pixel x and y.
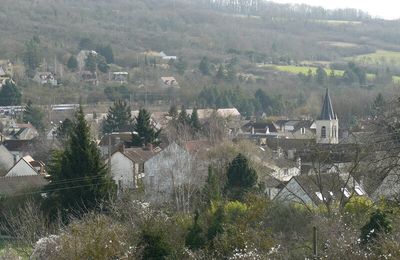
{"type": "Point", "coordinates": [327, 109]}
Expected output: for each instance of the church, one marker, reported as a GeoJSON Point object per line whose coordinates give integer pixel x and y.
{"type": "Point", "coordinates": [327, 124]}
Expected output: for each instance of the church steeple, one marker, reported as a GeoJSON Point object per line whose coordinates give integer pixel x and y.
{"type": "Point", "coordinates": [327, 124]}
{"type": "Point", "coordinates": [327, 109]}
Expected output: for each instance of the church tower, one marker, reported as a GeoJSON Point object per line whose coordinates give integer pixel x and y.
{"type": "Point", "coordinates": [327, 124]}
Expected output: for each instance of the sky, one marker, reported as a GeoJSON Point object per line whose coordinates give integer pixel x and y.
{"type": "Point", "coordinates": [387, 9]}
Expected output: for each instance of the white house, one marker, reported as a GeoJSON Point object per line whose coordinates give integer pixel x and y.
{"type": "Point", "coordinates": [23, 168]}
{"type": "Point", "coordinates": [127, 166]}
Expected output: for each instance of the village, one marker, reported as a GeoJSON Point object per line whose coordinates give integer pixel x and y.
{"type": "Point", "coordinates": [284, 149]}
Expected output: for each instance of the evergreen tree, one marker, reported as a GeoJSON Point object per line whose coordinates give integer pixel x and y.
{"type": "Point", "coordinates": [102, 64]}
{"type": "Point", "coordinates": [72, 63]}
{"type": "Point", "coordinates": [217, 221]}
{"type": "Point", "coordinates": [183, 117]}
{"type": "Point", "coordinates": [180, 66]}
{"type": "Point", "coordinates": [91, 62]}
{"type": "Point", "coordinates": [173, 111]}
{"type": "Point", "coordinates": [64, 130]}
{"type": "Point", "coordinates": [155, 244]}
{"type": "Point", "coordinates": [10, 95]}
{"type": "Point", "coordinates": [264, 100]}
{"type": "Point", "coordinates": [194, 239]}
{"type": "Point", "coordinates": [34, 115]}
{"type": "Point", "coordinates": [231, 72]}
{"type": "Point", "coordinates": [321, 75]}
{"type": "Point", "coordinates": [32, 56]}
{"type": "Point", "coordinates": [220, 73]}
{"type": "Point", "coordinates": [86, 44]}
{"type": "Point", "coordinates": [146, 134]}
{"type": "Point", "coordinates": [204, 66]}
{"type": "Point", "coordinates": [240, 178]}
{"type": "Point", "coordinates": [379, 224]}
{"type": "Point", "coordinates": [118, 118]}
{"type": "Point", "coordinates": [379, 104]}
{"type": "Point", "coordinates": [211, 190]}
{"type": "Point", "coordinates": [107, 52]}
{"type": "Point", "coordinates": [78, 178]}
{"type": "Point", "coordinates": [194, 120]}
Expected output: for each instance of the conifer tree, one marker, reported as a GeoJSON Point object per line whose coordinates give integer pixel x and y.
{"type": "Point", "coordinates": [10, 95]}
{"type": "Point", "coordinates": [220, 73]}
{"type": "Point", "coordinates": [72, 63]}
{"type": "Point", "coordinates": [194, 120]}
{"type": "Point", "coordinates": [146, 134]}
{"type": "Point", "coordinates": [78, 178]}
{"type": "Point", "coordinates": [211, 191]}
{"type": "Point", "coordinates": [91, 62]}
{"type": "Point", "coordinates": [118, 118]}
{"type": "Point", "coordinates": [195, 238]}
{"type": "Point", "coordinates": [173, 111]}
{"type": "Point", "coordinates": [183, 117]}
{"type": "Point", "coordinates": [204, 66]}
{"type": "Point", "coordinates": [64, 130]}
{"type": "Point", "coordinates": [32, 56]}
{"type": "Point", "coordinates": [33, 115]}
{"type": "Point", "coordinates": [240, 178]}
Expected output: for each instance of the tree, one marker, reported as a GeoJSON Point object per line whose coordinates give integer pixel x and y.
{"type": "Point", "coordinates": [32, 56]}
{"type": "Point", "coordinates": [10, 95]}
{"type": "Point", "coordinates": [379, 104]}
{"type": "Point", "coordinates": [145, 133]}
{"type": "Point", "coordinates": [64, 130]}
{"type": "Point", "coordinates": [321, 75]}
{"type": "Point", "coordinates": [78, 178]}
{"type": "Point", "coordinates": [91, 62]}
{"type": "Point", "coordinates": [220, 73]}
{"type": "Point", "coordinates": [173, 111]}
{"type": "Point", "coordinates": [183, 117]}
{"type": "Point", "coordinates": [86, 44]}
{"type": "Point", "coordinates": [155, 244]}
{"type": "Point", "coordinates": [102, 64]}
{"type": "Point", "coordinates": [72, 63]}
{"type": "Point", "coordinates": [107, 52]}
{"type": "Point", "coordinates": [240, 177]}
{"type": "Point", "coordinates": [211, 190]}
{"type": "Point", "coordinates": [180, 66]}
{"type": "Point", "coordinates": [378, 224]}
{"type": "Point", "coordinates": [33, 115]}
{"type": "Point", "coordinates": [195, 239]}
{"type": "Point", "coordinates": [194, 120]}
{"type": "Point", "coordinates": [204, 66]}
{"type": "Point", "coordinates": [118, 118]}
{"type": "Point", "coordinates": [264, 100]}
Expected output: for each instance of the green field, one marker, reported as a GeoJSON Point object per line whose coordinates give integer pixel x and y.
{"type": "Point", "coordinates": [300, 69]}
{"type": "Point", "coordinates": [380, 57]}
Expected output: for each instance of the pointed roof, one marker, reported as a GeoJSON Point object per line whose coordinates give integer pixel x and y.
{"type": "Point", "coordinates": [327, 109]}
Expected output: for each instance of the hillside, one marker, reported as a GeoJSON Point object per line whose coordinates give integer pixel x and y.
{"type": "Point", "coordinates": [248, 36]}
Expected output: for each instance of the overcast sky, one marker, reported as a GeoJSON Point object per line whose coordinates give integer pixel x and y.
{"type": "Point", "coordinates": [388, 9]}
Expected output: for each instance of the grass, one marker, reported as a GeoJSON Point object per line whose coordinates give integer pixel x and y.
{"type": "Point", "coordinates": [4, 244]}
{"type": "Point", "coordinates": [304, 69]}
{"type": "Point", "coordinates": [380, 57]}
{"type": "Point", "coordinates": [338, 22]}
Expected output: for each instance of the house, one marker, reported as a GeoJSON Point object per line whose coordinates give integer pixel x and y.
{"type": "Point", "coordinates": [389, 188]}
{"type": "Point", "coordinates": [21, 131]}
{"type": "Point", "coordinates": [120, 76]}
{"type": "Point", "coordinates": [19, 148]}
{"type": "Point", "coordinates": [283, 169]}
{"type": "Point", "coordinates": [296, 129]}
{"type": "Point", "coordinates": [167, 57]}
{"type": "Point", "coordinates": [168, 82]}
{"type": "Point", "coordinates": [170, 170]}
{"type": "Point", "coordinates": [110, 141]}
{"type": "Point", "coordinates": [127, 166]}
{"type": "Point", "coordinates": [25, 167]}
{"type": "Point", "coordinates": [258, 131]}
{"type": "Point", "coordinates": [314, 190]}
{"type": "Point", "coordinates": [45, 78]}
{"type": "Point", "coordinates": [12, 186]}
{"type": "Point", "coordinates": [6, 160]}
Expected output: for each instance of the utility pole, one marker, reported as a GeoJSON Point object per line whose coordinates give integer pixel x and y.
{"type": "Point", "coordinates": [315, 243]}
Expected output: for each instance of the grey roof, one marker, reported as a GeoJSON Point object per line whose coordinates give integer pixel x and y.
{"type": "Point", "coordinates": [327, 109]}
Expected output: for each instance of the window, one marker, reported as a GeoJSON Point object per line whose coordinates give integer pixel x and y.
{"type": "Point", "coordinates": [359, 191]}
{"type": "Point", "coordinates": [323, 132]}
{"type": "Point", "coordinates": [319, 195]}
{"type": "Point", "coordinates": [346, 192]}
{"type": "Point", "coordinates": [334, 132]}
{"type": "Point", "coordinates": [303, 131]}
